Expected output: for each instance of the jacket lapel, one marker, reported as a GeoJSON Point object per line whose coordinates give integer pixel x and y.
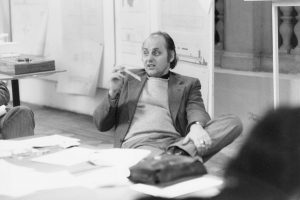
{"type": "Point", "coordinates": [134, 91]}
{"type": "Point", "coordinates": [175, 92]}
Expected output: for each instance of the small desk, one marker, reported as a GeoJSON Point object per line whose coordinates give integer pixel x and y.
{"type": "Point", "coordinates": [15, 82]}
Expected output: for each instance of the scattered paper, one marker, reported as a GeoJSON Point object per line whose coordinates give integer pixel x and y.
{"type": "Point", "coordinates": [18, 181]}
{"type": "Point", "coordinates": [104, 177]}
{"type": "Point", "coordinates": [67, 157]}
{"type": "Point", "coordinates": [118, 157]}
{"type": "Point", "coordinates": [9, 148]}
{"type": "Point", "coordinates": [52, 140]}
{"type": "Point", "coordinates": [202, 184]}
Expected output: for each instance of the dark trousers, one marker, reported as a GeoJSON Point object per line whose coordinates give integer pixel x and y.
{"type": "Point", "coordinates": [17, 122]}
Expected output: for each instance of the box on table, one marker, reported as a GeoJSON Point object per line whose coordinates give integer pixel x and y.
{"type": "Point", "coordinates": [24, 64]}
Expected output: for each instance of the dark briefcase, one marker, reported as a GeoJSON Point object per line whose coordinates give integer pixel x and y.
{"type": "Point", "coordinates": [165, 168]}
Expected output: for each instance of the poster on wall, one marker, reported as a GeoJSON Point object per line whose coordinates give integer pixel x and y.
{"type": "Point", "coordinates": [189, 23]}
{"type": "Point", "coordinates": [132, 27]}
{"type": "Point", "coordinates": [69, 31]}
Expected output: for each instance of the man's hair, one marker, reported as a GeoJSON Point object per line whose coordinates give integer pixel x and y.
{"type": "Point", "coordinates": [271, 152]}
{"type": "Point", "coordinates": [170, 45]}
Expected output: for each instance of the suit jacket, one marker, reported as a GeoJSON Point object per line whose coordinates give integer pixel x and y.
{"type": "Point", "coordinates": [185, 104]}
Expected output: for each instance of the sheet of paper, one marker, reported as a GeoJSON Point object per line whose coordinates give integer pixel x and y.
{"type": "Point", "coordinates": [104, 177]}
{"type": "Point", "coordinates": [82, 47]}
{"type": "Point", "coordinates": [132, 27]}
{"type": "Point", "coordinates": [206, 5]}
{"type": "Point", "coordinates": [202, 184]}
{"type": "Point", "coordinates": [51, 140]}
{"type": "Point", "coordinates": [10, 148]}
{"type": "Point", "coordinates": [67, 157]}
{"type": "Point", "coordinates": [118, 157]}
{"type": "Point", "coordinates": [18, 181]}
{"type": "Point", "coordinates": [29, 25]}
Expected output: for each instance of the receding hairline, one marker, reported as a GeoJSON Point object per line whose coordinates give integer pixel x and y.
{"type": "Point", "coordinates": [153, 36]}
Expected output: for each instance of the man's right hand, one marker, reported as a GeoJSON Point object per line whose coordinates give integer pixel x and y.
{"type": "Point", "coordinates": [116, 81]}
{"type": "Point", "coordinates": [3, 110]}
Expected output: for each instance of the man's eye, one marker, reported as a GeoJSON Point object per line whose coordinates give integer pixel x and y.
{"type": "Point", "coordinates": [145, 53]}
{"type": "Point", "coordinates": [156, 53]}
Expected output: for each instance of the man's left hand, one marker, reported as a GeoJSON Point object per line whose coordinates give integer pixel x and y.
{"type": "Point", "coordinates": [199, 137]}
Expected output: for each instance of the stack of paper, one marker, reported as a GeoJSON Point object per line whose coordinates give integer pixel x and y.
{"type": "Point", "coordinates": [9, 148]}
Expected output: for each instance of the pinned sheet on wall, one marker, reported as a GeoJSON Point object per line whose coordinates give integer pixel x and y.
{"type": "Point", "coordinates": [82, 73]}
{"type": "Point", "coordinates": [206, 5]}
{"type": "Point", "coordinates": [70, 32]}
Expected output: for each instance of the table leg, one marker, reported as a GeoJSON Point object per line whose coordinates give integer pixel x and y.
{"type": "Point", "coordinates": [15, 92]}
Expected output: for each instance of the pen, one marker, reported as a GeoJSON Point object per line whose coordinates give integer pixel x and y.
{"type": "Point", "coordinates": [132, 74]}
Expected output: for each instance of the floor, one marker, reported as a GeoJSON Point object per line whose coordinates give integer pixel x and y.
{"type": "Point", "coordinates": [54, 121]}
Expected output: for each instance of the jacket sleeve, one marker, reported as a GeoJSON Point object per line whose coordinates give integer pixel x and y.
{"type": "Point", "coordinates": [195, 108]}
{"type": "Point", "coordinates": [4, 94]}
{"type": "Point", "coordinates": [105, 114]}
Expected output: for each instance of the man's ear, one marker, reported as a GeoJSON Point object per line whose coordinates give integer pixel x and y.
{"type": "Point", "coordinates": [172, 56]}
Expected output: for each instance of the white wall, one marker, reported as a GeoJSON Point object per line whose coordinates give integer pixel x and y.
{"type": "Point", "coordinates": [249, 96]}
{"type": "Point", "coordinates": [246, 96]}
{"type": "Point", "coordinates": [43, 92]}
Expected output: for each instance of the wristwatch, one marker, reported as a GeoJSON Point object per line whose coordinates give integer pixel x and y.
{"type": "Point", "coordinates": [195, 122]}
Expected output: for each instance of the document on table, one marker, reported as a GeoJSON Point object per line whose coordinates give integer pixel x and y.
{"type": "Point", "coordinates": [18, 181]}
{"type": "Point", "coordinates": [51, 140]}
{"type": "Point", "coordinates": [104, 177]}
{"type": "Point", "coordinates": [105, 157]}
{"type": "Point", "coordinates": [205, 186]}
{"type": "Point", "coordinates": [118, 157]}
{"type": "Point", "coordinates": [10, 148]}
{"type": "Point", "coordinates": [67, 157]}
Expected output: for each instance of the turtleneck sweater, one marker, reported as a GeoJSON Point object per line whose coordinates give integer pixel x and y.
{"type": "Point", "coordinates": [152, 122]}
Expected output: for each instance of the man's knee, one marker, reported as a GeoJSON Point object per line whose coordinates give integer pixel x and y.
{"type": "Point", "coordinates": [21, 113]}
{"type": "Point", "coordinates": [236, 124]}
{"type": "Point", "coordinates": [18, 122]}
{"type": "Point", "coordinates": [230, 125]}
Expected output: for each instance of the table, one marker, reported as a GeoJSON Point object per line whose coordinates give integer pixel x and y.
{"type": "Point", "coordinates": [74, 192]}
{"type": "Point", "coordinates": [15, 82]}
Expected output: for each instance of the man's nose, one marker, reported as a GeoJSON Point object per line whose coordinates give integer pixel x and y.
{"type": "Point", "coordinates": [149, 57]}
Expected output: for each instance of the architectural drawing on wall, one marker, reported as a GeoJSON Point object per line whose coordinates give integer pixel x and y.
{"type": "Point", "coordinates": [29, 22]}
{"type": "Point", "coordinates": [191, 55]}
{"type": "Point", "coordinates": [68, 31]}
{"type": "Point", "coordinates": [128, 3]}
{"type": "Point", "coordinates": [132, 27]}
{"type": "Point", "coordinates": [185, 22]}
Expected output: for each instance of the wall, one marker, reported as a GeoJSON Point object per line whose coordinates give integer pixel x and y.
{"type": "Point", "coordinates": [43, 92]}
{"type": "Point", "coordinates": [250, 95]}
{"type": "Point", "coordinates": [246, 96]}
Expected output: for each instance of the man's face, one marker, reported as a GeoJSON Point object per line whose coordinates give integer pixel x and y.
{"type": "Point", "coordinates": [155, 56]}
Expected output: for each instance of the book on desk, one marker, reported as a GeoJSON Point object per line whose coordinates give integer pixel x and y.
{"type": "Point", "coordinates": [24, 64]}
